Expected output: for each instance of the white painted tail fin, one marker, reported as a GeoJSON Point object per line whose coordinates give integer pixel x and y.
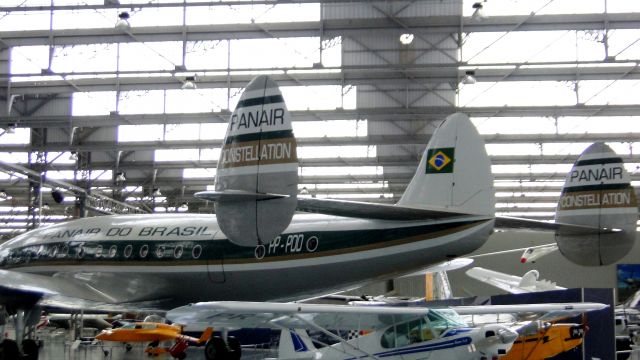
{"type": "Point", "coordinates": [598, 192]}
{"type": "Point", "coordinates": [257, 175]}
{"type": "Point", "coordinates": [455, 172]}
{"type": "Point", "coordinates": [295, 344]}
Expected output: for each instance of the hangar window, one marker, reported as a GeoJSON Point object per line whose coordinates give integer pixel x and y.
{"type": "Point", "coordinates": [84, 58]}
{"type": "Point", "coordinates": [330, 128]}
{"type": "Point", "coordinates": [13, 157]}
{"type": "Point", "coordinates": [93, 103]}
{"type": "Point", "coordinates": [141, 102]}
{"type": "Point", "coordinates": [194, 173]}
{"type": "Point", "coordinates": [254, 13]}
{"type": "Point", "coordinates": [354, 151]}
{"type": "Point", "coordinates": [19, 136]}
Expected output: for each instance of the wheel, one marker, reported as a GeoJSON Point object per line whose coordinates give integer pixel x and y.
{"type": "Point", "coordinates": [181, 356]}
{"type": "Point", "coordinates": [215, 349]}
{"type": "Point", "coordinates": [235, 350]}
{"type": "Point", "coordinates": [128, 347]}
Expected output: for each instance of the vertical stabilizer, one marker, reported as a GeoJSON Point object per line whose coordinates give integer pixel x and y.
{"type": "Point", "coordinates": [598, 192]}
{"type": "Point", "coordinates": [258, 157]}
{"type": "Point", "coordinates": [455, 172]}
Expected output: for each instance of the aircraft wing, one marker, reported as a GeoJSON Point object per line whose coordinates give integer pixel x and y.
{"type": "Point", "coordinates": [58, 292]}
{"type": "Point", "coordinates": [231, 314]}
{"type": "Point", "coordinates": [508, 283]}
{"type": "Point", "coordinates": [549, 310]}
{"type": "Point", "coordinates": [370, 210]}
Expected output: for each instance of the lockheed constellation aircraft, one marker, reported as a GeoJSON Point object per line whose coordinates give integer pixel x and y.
{"type": "Point", "coordinates": [256, 249]}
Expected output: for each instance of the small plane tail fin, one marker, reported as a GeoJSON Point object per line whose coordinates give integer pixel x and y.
{"type": "Point", "coordinates": [455, 172]}
{"type": "Point", "coordinates": [529, 279]}
{"type": "Point", "coordinates": [258, 157]}
{"type": "Point", "coordinates": [295, 344]}
{"type": "Point", "coordinates": [597, 191]}
{"type": "Point", "coordinates": [206, 335]}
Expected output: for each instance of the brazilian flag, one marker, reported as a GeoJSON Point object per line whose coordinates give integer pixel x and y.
{"type": "Point", "coordinates": [440, 160]}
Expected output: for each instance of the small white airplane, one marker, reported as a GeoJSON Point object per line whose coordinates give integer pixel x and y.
{"type": "Point", "coordinates": [256, 249]}
{"type": "Point", "coordinates": [529, 282]}
{"type": "Point", "coordinates": [399, 333]}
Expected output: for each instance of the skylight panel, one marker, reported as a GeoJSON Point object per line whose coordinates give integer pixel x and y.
{"type": "Point", "coordinates": [199, 173]}
{"type": "Point", "coordinates": [531, 169]}
{"type": "Point", "coordinates": [517, 93]}
{"type": "Point", "coordinates": [521, 194]}
{"type": "Point", "coordinates": [599, 124]}
{"type": "Point", "coordinates": [84, 19]}
{"type": "Point", "coordinates": [84, 58]}
{"type": "Point", "coordinates": [25, 20]}
{"type": "Point", "coordinates": [29, 59]}
{"type": "Point", "coordinates": [339, 170]}
{"type": "Point", "coordinates": [528, 184]}
{"type": "Point", "coordinates": [274, 52]}
{"type": "Point", "coordinates": [93, 103]}
{"type": "Point", "coordinates": [195, 101]}
{"type": "Point", "coordinates": [182, 132]}
{"type": "Point", "coordinates": [207, 54]}
{"type": "Point", "coordinates": [330, 128]}
{"type": "Point", "coordinates": [141, 102]}
{"type": "Point", "coordinates": [356, 151]}
{"type": "Point", "coordinates": [131, 133]}
{"type": "Point", "coordinates": [255, 13]}
{"type": "Point", "coordinates": [609, 92]}
{"type": "Point", "coordinates": [515, 125]}
{"type": "Point", "coordinates": [161, 55]}
{"type": "Point", "coordinates": [210, 154]}
{"type": "Point", "coordinates": [521, 205]}
{"type": "Point", "coordinates": [213, 131]}
{"type": "Point", "coordinates": [510, 7]}
{"type": "Point", "coordinates": [322, 97]}
{"type": "Point", "coordinates": [176, 155]}
{"type": "Point", "coordinates": [20, 136]}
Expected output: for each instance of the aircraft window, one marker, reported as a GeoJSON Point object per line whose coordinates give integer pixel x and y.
{"type": "Point", "coordinates": [113, 250]}
{"type": "Point", "coordinates": [415, 331]}
{"type": "Point", "coordinates": [177, 252]}
{"type": "Point", "coordinates": [80, 252]}
{"type": "Point", "coordinates": [65, 251]}
{"type": "Point", "coordinates": [54, 251]}
{"type": "Point", "coordinates": [144, 250]}
{"type": "Point", "coordinates": [160, 251]}
{"type": "Point", "coordinates": [402, 334]}
{"type": "Point", "coordinates": [128, 250]}
{"type": "Point", "coordinates": [196, 252]}
{"type": "Point", "coordinates": [388, 339]}
{"type": "Point", "coordinates": [128, 326]}
{"type": "Point", "coordinates": [99, 251]}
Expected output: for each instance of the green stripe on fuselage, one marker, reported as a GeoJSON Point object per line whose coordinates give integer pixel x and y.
{"type": "Point", "coordinates": [289, 246]}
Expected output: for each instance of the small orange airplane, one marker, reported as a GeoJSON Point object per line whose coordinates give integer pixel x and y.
{"type": "Point", "coordinates": [154, 333]}
{"type": "Point", "coordinates": [547, 341]}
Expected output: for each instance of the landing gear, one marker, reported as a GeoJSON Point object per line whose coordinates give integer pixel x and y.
{"type": "Point", "coordinates": [217, 349]}
{"type": "Point", "coordinates": [235, 350]}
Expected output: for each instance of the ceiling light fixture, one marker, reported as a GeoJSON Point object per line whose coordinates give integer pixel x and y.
{"type": "Point", "coordinates": [478, 13]}
{"type": "Point", "coordinates": [469, 78]}
{"type": "Point", "coordinates": [123, 21]}
{"type": "Point", "coordinates": [406, 39]}
{"type": "Point", "coordinates": [189, 83]}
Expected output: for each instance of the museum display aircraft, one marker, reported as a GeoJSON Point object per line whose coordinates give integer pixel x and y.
{"type": "Point", "coordinates": [403, 333]}
{"type": "Point", "coordinates": [255, 248]}
{"type": "Point", "coordinates": [154, 333]}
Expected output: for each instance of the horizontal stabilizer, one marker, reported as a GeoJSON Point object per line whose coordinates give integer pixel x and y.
{"type": "Point", "coordinates": [370, 210]}
{"type": "Point", "coordinates": [506, 222]}
{"type": "Point", "coordinates": [237, 195]}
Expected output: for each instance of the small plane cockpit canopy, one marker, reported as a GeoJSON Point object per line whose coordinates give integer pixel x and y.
{"type": "Point", "coordinates": [429, 327]}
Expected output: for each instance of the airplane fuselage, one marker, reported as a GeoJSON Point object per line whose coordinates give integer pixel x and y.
{"type": "Point", "coordinates": [174, 259]}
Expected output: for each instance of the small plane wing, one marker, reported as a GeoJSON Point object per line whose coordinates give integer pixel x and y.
{"type": "Point", "coordinates": [231, 314]}
{"type": "Point", "coordinates": [58, 292]}
{"type": "Point", "coordinates": [370, 210]}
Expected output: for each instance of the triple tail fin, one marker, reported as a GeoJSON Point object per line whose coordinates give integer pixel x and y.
{"type": "Point", "coordinates": [257, 175]}
{"type": "Point", "coordinates": [598, 192]}
{"type": "Point", "coordinates": [455, 171]}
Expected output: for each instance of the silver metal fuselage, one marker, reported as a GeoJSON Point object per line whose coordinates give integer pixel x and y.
{"type": "Point", "coordinates": [175, 259]}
